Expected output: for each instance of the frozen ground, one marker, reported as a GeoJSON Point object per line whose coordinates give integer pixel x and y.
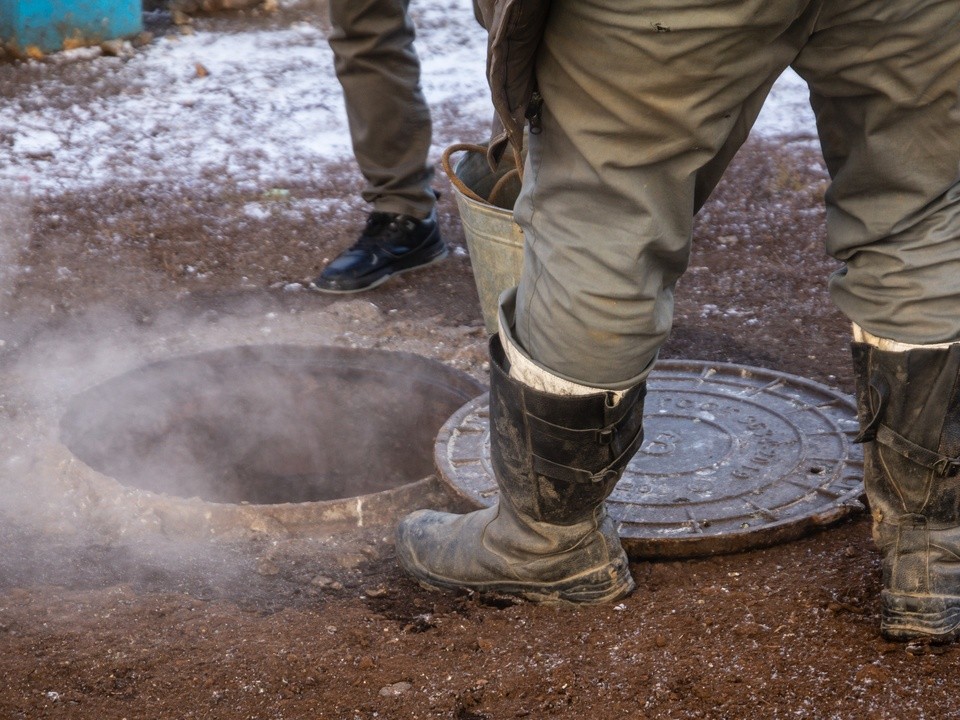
{"type": "Point", "coordinates": [263, 104]}
{"type": "Point", "coordinates": [178, 193]}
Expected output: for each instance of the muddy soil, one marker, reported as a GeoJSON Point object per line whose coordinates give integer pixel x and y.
{"type": "Point", "coordinates": [99, 625]}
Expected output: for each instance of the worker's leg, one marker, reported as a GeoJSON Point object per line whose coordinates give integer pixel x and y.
{"type": "Point", "coordinates": [377, 65]}
{"type": "Point", "coordinates": [644, 104]}
{"type": "Point", "coordinates": [389, 120]}
{"type": "Point", "coordinates": [885, 77]}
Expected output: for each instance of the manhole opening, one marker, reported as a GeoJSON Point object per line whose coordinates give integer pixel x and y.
{"type": "Point", "coordinates": [268, 424]}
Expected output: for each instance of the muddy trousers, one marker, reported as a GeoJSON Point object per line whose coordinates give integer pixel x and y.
{"type": "Point", "coordinates": [378, 68]}
{"type": "Point", "coordinates": [645, 103]}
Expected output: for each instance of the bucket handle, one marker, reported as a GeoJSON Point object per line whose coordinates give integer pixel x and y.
{"type": "Point", "coordinates": [462, 186]}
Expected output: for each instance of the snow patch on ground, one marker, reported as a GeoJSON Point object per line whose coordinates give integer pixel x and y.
{"type": "Point", "coordinates": [258, 108]}
{"type": "Point", "coordinates": [787, 113]}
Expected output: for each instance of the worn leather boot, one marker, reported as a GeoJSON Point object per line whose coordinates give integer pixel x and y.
{"type": "Point", "coordinates": [556, 458]}
{"type": "Point", "coordinates": [909, 410]}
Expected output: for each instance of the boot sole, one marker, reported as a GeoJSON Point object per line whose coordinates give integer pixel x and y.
{"type": "Point", "coordinates": [383, 278]}
{"type": "Point", "coordinates": [578, 590]}
{"type": "Point", "coordinates": [931, 618]}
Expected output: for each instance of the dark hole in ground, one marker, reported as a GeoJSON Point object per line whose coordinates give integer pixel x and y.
{"type": "Point", "coordinates": [268, 424]}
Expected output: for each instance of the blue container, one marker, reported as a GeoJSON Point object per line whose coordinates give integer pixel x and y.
{"type": "Point", "coordinates": [47, 24]}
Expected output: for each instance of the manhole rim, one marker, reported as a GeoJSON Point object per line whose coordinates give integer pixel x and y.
{"type": "Point", "coordinates": [152, 509]}
{"type": "Point", "coordinates": [131, 507]}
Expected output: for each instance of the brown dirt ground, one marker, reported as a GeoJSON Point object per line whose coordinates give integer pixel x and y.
{"type": "Point", "coordinates": [93, 627]}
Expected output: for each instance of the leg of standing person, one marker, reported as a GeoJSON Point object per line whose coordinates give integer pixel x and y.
{"type": "Point", "coordinates": [885, 82]}
{"type": "Point", "coordinates": [378, 68]}
{"type": "Point", "coordinates": [644, 104]}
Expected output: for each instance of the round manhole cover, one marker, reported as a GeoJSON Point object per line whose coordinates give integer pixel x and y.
{"type": "Point", "coordinates": [734, 458]}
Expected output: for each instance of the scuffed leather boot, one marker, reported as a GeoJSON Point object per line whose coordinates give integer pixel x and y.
{"type": "Point", "coordinates": [556, 458]}
{"type": "Point", "coordinates": [909, 407]}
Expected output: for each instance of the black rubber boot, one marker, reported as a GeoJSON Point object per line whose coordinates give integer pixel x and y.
{"type": "Point", "coordinates": [389, 245]}
{"type": "Point", "coordinates": [556, 459]}
{"type": "Point", "coordinates": [909, 408]}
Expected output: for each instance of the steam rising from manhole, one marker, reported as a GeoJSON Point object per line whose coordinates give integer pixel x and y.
{"type": "Point", "coordinates": [265, 425]}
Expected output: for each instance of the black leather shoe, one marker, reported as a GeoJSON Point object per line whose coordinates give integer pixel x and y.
{"type": "Point", "coordinates": [390, 244]}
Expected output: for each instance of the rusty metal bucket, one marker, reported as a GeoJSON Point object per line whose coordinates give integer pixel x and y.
{"type": "Point", "coordinates": [485, 200]}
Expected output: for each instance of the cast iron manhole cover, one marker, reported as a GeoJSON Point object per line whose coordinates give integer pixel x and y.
{"type": "Point", "coordinates": [734, 458]}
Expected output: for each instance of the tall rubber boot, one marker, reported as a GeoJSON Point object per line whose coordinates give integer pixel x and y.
{"type": "Point", "coordinates": [556, 459]}
{"type": "Point", "coordinates": [909, 410]}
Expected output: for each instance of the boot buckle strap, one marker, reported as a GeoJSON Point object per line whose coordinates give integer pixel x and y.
{"type": "Point", "coordinates": [611, 472]}
{"type": "Point", "coordinates": [605, 476]}
{"type": "Point", "coordinates": [565, 473]}
{"type": "Point", "coordinates": [913, 521]}
{"type": "Point", "coordinates": [947, 467]}
{"type": "Point", "coordinates": [877, 399]}
{"type": "Point", "coordinates": [943, 465]}
{"type": "Point", "coordinates": [601, 436]}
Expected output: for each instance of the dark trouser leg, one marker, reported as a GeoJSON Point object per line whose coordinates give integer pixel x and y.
{"type": "Point", "coordinates": [645, 102]}
{"type": "Point", "coordinates": [377, 65]}
{"type": "Point", "coordinates": [885, 85]}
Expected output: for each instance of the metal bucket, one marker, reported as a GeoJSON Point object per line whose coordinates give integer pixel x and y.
{"type": "Point", "coordinates": [495, 242]}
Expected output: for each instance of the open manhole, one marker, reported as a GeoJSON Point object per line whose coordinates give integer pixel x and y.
{"type": "Point", "coordinates": [734, 458]}
{"type": "Point", "coordinates": [299, 435]}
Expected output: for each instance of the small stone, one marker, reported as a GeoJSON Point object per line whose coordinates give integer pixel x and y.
{"type": "Point", "coordinates": [117, 48]}
{"type": "Point", "coordinates": [267, 526]}
{"type": "Point", "coordinates": [886, 647]}
{"type": "Point", "coordinates": [267, 567]}
{"type": "Point", "coordinates": [142, 39]}
{"type": "Point", "coordinates": [871, 674]}
{"type": "Point", "coordinates": [395, 690]}
{"type": "Point", "coordinates": [366, 663]}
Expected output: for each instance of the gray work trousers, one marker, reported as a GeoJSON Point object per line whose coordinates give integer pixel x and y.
{"type": "Point", "coordinates": [646, 102]}
{"type": "Point", "coordinates": [378, 68]}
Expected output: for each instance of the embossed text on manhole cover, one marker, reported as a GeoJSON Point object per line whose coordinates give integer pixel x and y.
{"type": "Point", "coordinates": [734, 458]}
